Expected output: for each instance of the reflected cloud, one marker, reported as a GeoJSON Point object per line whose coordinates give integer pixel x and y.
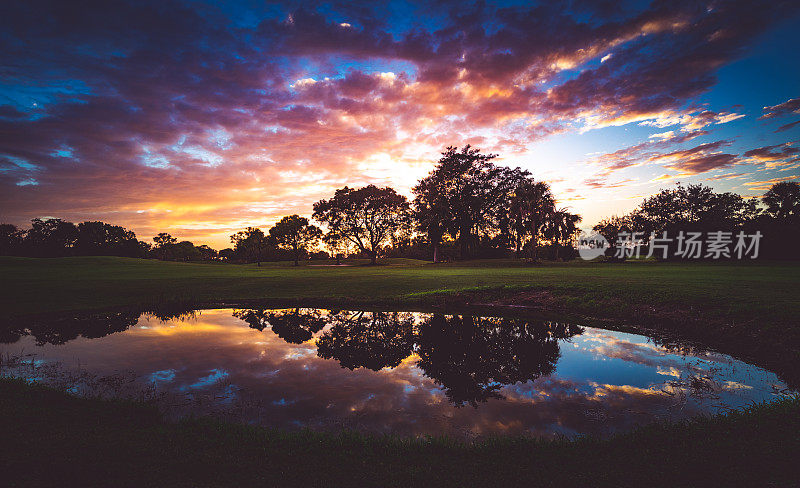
{"type": "Point", "coordinates": [395, 372]}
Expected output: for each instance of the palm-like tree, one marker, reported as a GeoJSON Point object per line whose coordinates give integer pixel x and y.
{"type": "Point", "coordinates": [530, 208]}
{"type": "Point", "coordinates": [561, 227]}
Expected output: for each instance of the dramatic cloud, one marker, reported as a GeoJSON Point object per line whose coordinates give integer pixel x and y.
{"type": "Point", "coordinates": [788, 107]}
{"type": "Point", "coordinates": [200, 119]}
{"type": "Point", "coordinates": [703, 163]}
{"type": "Point", "coordinates": [646, 151]}
{"type": "Point", "coordinates": [775, 155]}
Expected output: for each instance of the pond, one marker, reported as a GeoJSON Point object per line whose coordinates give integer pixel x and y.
{"type": "Point", "coordinates": [391, 372]}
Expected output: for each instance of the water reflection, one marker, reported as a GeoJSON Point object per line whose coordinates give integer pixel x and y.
{"type": "Point", "coordinates": [372, 340]}
{"type": "Point", "coordinates": [60, 330]}
{"type": "Point", "coordinates": [474, 356]}
{"type": "Point", "coordinates": [400, 372]}
{"type": "Point", "coordinates": [293, 326]}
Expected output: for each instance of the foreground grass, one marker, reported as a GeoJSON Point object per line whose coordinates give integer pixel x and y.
{"type": "Point", "coordinates": [51, 438]}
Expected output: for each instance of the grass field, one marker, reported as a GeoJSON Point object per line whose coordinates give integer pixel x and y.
{"type": "Point", "coordinates": [748, 309]}
{"type": "Point", "coordinates": [745, 290]}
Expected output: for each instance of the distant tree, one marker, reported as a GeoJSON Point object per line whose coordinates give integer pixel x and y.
{"type": "Point", "coordinates": [227, 254]}
{"type": "Point", "coordinates": [50, 237]}
{"type": "Point", "coordinates": [780, 222]}
{"type": "Point", "coordinates": [338, 245]}
{"type": "Point", "coordinates": [163, 239]}
{"type": "Point", "coordinates": [611, 228]}
{"type": "Point", "coordinates": [783, 200]}
{"type": "Point", "coordinates": [691, 207]}
{"type": "Point", "coordinates": [145, 248]}
{"type": "Point", "coordinates": [462, 190]}
{"type": "Point", "coordinates": [102, 239]}
{"type": "Point", "coordinates": [184, 251]}
{"type": "Point", "coordinates": [10, 239]}
{"type": "Point", "coordinates": [468, 198]}
{"type": "Point", "coordinates": [164, 242]}
{"type": "Point", "coordinates": [251, 244]}
{"type": "Point", "coordinates": [431, 211]}
{"type": "Point", "coordinates": [294, 233]}
{"type": "Point", "coordinates": [368, 217]}
{"type": "Point", "coordinates": [206, 253]}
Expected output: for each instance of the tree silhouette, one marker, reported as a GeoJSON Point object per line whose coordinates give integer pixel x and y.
{"type": "Point", "coordinates": [102, 239]}
{"type": "Point", "coordinates": [293, 326]}
{"type": "Point", "coordinates": [368, 217]}
{"type": "Point", "coordinates": [64, 329]}
{"type": "Point", "coordinates": [469, 199]}
{"type": "Point", "coordinates": [561, 227]}
{"type": "Point", "coordinates": [10, 239]}
{"type": "Point", "coordinates": [251, 243]}
{"type": "Point", "coordinates": [611, 228]}
{"type": "Point", "coordinates": [458, 196]}
{"type": "Point", "coordinates": [431, 211]}
{"type": "Point", "coordinates": [470, 357]}
{"type": "Point", "coordinates": [783, 200]}
{"type": "Point", "coordinates": [690, 208]}
{"type": "Point", "coordinates": [337, 244]}
{"type": "Point", "coordinates": [373, 340]}
{"type": "Point", "coordinates": [51, 237]}
{"type": "Point", "coordinates": [163, 243]}
{"type": "Point", "coordinates": [531, 209]}
{"type": "Point", "coordinates": [473, 357]}
{"type": "Point", "coordinates": [295, 234]}
{"type": "Point", "coordinates": [256, 318]}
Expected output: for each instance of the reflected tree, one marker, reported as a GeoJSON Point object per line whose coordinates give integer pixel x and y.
{"type": "Point", "coordinates": [473, 357]}
{"type": "Point", "coordinates": [11, 331]}
{"type": "Point", "coordinates": [373, 340]}
{"type": "Point", "coordinates": [293, 326]}
{"type": "Point", "coordinates": [470, 357]}
{"type": "Point", "coordinates": [62, 330]}
{"type": "Point", "coordinates": [166, 312]}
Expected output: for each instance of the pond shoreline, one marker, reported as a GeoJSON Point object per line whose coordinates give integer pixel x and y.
{"type": "Point", "coordinates": [667, 324]}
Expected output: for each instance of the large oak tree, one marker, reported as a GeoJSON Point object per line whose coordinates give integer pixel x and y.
{"type": "Point", "coordinates": [367, 217]}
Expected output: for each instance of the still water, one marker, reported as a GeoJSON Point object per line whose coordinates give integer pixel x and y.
{"type": "Point", "coordinates": [395, 372]}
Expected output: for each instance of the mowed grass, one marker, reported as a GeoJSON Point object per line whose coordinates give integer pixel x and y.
{"type": "Point", "coordinates": [748, 290]}
{"type": "Point", "coordinates": [51, 439]}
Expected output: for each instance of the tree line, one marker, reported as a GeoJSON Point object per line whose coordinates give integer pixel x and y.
{"type": "Point", "coordinates": [466, 207]}
{"type": "Point", "coordinates": [700, 210]}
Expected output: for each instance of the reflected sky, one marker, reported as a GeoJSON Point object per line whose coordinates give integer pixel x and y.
{"type": "Point", "coordinates": [397, 372]}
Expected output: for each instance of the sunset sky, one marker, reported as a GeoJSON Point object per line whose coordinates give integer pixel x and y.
{"type": "Point", "coordinates": [200, 119]}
